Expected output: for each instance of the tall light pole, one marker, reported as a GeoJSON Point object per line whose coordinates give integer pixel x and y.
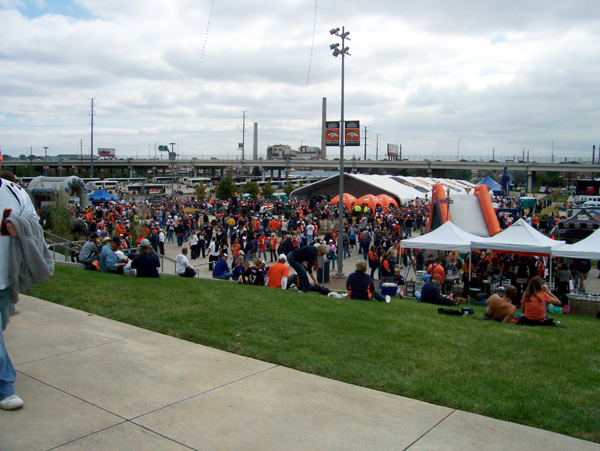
{"type": "Point", "coordinates": [46, 162]}
{"type": "Point", "coordinates": [92, 114]}
{"type": "Point", "coordinates": [172, 171]}
{"type": "Point", "coordinates": [343, 51]}
{"type": "Point", "coordinates": [458, 150]}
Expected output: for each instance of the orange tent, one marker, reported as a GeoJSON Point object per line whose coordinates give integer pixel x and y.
{"type": "Point", "coordinates": [387, 200]}
{"type": "Point", "coordinates": [367, 199]}
{"type": "Point", "coordinates": [349, 200]}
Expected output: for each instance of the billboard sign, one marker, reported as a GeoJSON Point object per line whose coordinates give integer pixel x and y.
{"type": "Point", "coordinates": [352, 133]}
{"type": "Point", "coordinates": [392, 150]}
{"type": "Point", "coordinates": [332, 133]}
{"type": "Point", "coordinates": [104, 152]}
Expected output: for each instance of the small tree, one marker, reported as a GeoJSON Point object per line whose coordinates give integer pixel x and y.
{"type": "Point", "coordinates": [226, 187]}
{"type": "Point", "coordinates": [268, 190]}
{"type": "Point", "coordinates": [252, 189]}
{"type": "Point", "coordinates": [200, 191]}
{"type": "Point", "coordinates": [287, 189]}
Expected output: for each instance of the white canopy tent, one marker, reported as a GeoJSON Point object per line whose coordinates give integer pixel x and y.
{"type": "Point", "coordinates": [519, 238]}
{"type": "Point", "coordinates": [586, 248]}
{"type": "Point", "coordinates": [447, 237]}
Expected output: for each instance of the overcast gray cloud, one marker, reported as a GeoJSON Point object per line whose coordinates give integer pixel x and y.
{"type": "Point", "coordinates": [501, 76]}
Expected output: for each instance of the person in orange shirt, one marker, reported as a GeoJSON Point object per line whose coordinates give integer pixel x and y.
{"type": "Point", "coordinates": [274, 225]}
{"type": "Point", "coordinates": [436, 269]}
{"type": "Point", "coordinates": [273, 241]}
{"type": "Point", "coordinates": [235, 248]}
{"type": "Point", "coordinates": [262, 245]}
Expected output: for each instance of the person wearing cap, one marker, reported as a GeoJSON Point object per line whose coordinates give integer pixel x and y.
{"type": "Point", "coordinates": [109, 261]}
{"type": "Point", "coordinates": [183, 267]}
{"type": "Point", "coordinates": [90, 251]}
{"type": "Point", "coordinates": [308, 254]}
{"type": "Point", "coordinates": [278, 273]}
{"type": "Point", "coordinates": [221, 270]}
{"type": "Point", "coordinates": [145, 262]}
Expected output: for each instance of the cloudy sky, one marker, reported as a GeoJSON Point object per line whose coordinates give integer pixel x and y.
{"type": "Point", "coordinates": [505, 75]}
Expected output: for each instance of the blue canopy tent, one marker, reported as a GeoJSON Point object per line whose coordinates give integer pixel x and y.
{"type": "Point", "coordinates": [490, 183]}
{"type": "Point", "coordinates": [102, 196]}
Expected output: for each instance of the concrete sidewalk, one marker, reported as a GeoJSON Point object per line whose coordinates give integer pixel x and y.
{"type": "Point", "coordinates": [90, 383]}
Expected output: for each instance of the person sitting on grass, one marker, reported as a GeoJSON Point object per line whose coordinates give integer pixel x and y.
{"type": "Point", "coordinates": [501, 308]}
{"type": "Point", "coordinates": [256, 274]}
{"type": "Point", "coordinates": [183, 267]}
{"type": "Point", "coordinates": [145, 261]}
{"type": "Point", "coordinates": [221, 270]}
{"type": "Point", "coordinates": [360, 286]}
{"type": "Point", "coordinates": [279, 273]}
{"type": "Point", "coordinates": [109, 261]}
{"type": "Point", "coordinates": [238, 267]}
{"type": "Point", "coordinates": [400, 282]}
{"type": "Point", "coordinates": [90, 251]}
{"type": "Point", "coordinates": [431, 293]}
{"type": "Point", "coordinates": [534, 301]}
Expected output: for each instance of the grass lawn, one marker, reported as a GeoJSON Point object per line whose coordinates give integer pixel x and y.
{"type": "Point", "coordinates": [542, 377]}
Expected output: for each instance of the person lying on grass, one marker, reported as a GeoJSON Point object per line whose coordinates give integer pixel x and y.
{"type": "Point", "coordinates": [360, 285]}
{"type": "Point", "coordinates": [501, 308]}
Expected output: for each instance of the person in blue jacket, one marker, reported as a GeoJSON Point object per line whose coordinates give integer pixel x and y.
{"type": "Point", "coordinates": [360, 285]}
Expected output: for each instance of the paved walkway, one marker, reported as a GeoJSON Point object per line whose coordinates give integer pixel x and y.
{"type": "Point", "coordinates": [90, 383]}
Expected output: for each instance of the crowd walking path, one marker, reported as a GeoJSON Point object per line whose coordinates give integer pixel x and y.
{"type": "Point", "coordinates": [90, 383]}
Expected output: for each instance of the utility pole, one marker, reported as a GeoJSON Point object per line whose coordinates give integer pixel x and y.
{"type": "Point", "coordinates": [243, 132]}
{"type": "Point", "coordinates": [365, 158]}
{"type": "Point", "coordinates": [377, 146]}
{"type": "Point", "coordinates": [31, 159]}
{"type": "Point", "coordinates": [92, 114]}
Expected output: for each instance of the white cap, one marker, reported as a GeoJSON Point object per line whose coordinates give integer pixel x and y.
{"type": "Point", "coordinates": [282, 257]}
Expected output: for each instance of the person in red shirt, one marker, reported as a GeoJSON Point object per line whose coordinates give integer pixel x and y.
{"type": "Point", "coordinates": [535, 298]}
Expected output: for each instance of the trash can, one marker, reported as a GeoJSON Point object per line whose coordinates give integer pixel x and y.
{"type": "Point", "coordinates": [322, 270]}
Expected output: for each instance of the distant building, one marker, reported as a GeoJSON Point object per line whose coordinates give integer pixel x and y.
{"type": "Point", "coordinates": [282, 151]}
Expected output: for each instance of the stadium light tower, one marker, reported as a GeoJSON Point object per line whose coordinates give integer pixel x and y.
{"type": "Point", "coordinates": [341, 51]}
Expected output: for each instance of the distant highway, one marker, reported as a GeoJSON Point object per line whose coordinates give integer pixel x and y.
{"type": "Point", "coordinates": [217, 166]}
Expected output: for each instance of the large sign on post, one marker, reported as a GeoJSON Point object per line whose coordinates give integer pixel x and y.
{"type": "Point", "coordinates": [332, 133]}
{"type": "Point", "coordinates": [104, 152]}
{"type": "Point", "coordinates": [352, 133]}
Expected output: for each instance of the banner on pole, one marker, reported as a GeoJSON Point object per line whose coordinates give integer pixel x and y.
{"type": "Point", "coordinates": [332, 133]}
{"type": "Point", "coordinates": [352, 133]}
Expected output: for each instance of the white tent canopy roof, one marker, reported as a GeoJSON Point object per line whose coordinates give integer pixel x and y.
{"type": "Point", "coordinates": [519, 237]}
{"type": "Point", "coordinates": [586, 248]}
{"type": "Point", "coordinates": [402, 188]}
{"type": "Point", "coordinates": [447, 237]}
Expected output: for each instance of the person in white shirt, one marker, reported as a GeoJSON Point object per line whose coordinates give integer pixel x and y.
{"type": "Point", "coordinates": [161, 241]}
{"type": "Point", "coordinates": [310, 230]}
{"type": "Point", "coordinates": [14, 202]}
{"type": "Point", "coordinates": [183, 267]}
{"type": "Point", "coordinates": [194, 245]}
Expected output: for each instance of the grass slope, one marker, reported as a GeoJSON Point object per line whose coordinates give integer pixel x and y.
{"type": "Point", "coordinates": [541, 377]}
